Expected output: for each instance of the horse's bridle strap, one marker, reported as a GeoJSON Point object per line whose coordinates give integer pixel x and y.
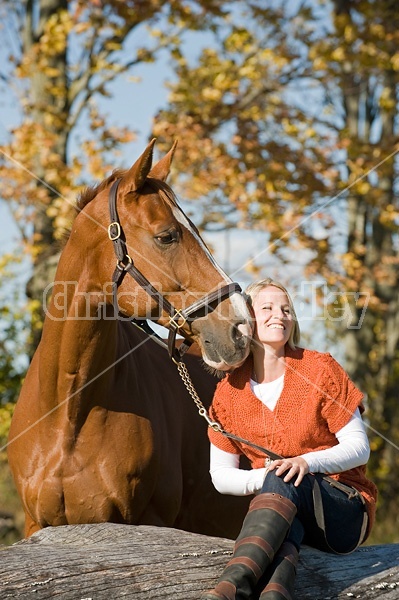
{"type": "Point", "coordinates": [125, 264]}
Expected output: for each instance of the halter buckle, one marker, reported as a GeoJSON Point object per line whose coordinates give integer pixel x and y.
{"type": "Point", "coordinates": [121, 265]}
{"type": "Point", "coordinates": [174, 323]}
{"type": "Point", "coordinates": [114, 236]}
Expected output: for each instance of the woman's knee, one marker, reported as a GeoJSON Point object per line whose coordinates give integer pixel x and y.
{"type": "Point", "coordinates": [276, 485]}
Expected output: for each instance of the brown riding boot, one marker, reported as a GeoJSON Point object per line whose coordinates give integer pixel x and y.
{"type": "Point", "coordinates": [264, 529]}
{"type": "Point", "coordinates": [282, 580]}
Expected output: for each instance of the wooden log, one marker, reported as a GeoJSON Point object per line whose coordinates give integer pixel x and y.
{"type": "Point", "coordinates": [103, 561]}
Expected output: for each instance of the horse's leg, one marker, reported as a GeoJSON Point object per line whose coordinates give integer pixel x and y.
{"type": "Point", "coordinates": [30, 526]}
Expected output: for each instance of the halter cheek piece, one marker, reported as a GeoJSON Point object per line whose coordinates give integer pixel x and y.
{"type": "Point", "coordinates": [177, 318]}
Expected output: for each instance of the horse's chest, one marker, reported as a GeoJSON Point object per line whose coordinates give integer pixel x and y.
{"type": "Point", "coordinates": [114, 475]}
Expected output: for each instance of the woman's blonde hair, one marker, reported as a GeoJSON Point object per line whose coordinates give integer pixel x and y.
{"type": "Point", "coordinates": [253, 290]}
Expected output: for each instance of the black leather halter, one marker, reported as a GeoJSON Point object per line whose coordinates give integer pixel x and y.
{"type": "Point", "coordinates": [177, 318]}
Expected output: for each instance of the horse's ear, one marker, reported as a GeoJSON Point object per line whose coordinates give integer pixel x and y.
{"type": "Point", "coordinates": [162, 168]}
{"type": "Point", "coordinates": [135, 177]}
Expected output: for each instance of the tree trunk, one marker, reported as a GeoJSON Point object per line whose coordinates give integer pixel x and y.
{"type": "Point", "coordinates": [103, 561]}
{"type": "Point", "coordinates": [372, 338]}
{"type": "Point", "coordinates": [49, 97]}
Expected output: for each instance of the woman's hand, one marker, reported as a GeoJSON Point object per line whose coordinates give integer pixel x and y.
{"type": "Point", "coordinates": [292, 467]}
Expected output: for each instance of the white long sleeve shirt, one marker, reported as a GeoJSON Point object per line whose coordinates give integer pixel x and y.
{"type": "Point", "coordinates": [352, 450]}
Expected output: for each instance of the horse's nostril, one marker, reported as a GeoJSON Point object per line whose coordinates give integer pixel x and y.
{"type": "Point", "coordinates": [236, 333]}
{"type": "Point", "coordinates": [240, 335]}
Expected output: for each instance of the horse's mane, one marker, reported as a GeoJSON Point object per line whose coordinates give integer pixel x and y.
{"type": "Point", "coordinates": [91, 192]}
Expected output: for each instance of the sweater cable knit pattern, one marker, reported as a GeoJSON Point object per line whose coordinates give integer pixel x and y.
{"type": "Point", "coordinates": [317, 400]}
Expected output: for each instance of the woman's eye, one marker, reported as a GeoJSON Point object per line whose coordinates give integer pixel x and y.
{"type": "Point", "coordinates": [167, 238]}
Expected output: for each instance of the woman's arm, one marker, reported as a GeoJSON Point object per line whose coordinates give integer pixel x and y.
{"type": "Point", "coordinates": [228, 478]}
{"type": "Point", "coordinates": [351, 451]}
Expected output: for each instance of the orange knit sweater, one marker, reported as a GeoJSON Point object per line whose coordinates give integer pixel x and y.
{"type": "Point", "coordinates": [317, 400]}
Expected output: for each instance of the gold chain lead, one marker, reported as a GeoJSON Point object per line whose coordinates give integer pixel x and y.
{"type": "Point", "coordinates": [184, 374]}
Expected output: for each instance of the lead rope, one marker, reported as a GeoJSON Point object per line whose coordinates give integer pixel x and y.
{"type": "Point", "coordinates": [317, 499]}
{"type": "Point", "coordinates": [184, 374]}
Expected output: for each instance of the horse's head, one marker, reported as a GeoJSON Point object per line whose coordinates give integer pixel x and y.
{"type": "Point", "coordinates": [150, 231]}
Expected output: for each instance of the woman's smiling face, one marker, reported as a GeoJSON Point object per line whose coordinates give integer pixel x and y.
{"type": "Point", "coordinates": [273, 317]}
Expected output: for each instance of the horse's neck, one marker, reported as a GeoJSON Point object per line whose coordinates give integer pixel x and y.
{"type": "Point", "coordinates": [78, 347]}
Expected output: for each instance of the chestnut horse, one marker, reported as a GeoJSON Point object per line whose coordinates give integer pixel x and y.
{"type": "Point", "coordinates": [104, 429]}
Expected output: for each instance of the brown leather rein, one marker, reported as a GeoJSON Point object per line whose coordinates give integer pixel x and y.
{"type": "Point", "coordinates": [177, 318]}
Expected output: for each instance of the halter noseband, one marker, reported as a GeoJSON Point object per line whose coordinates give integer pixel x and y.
{"type": "Point", "coordinates": [125, 264]}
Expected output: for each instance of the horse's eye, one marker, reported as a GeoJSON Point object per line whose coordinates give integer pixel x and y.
{"type": "Point", "coordinates": [167, 237]}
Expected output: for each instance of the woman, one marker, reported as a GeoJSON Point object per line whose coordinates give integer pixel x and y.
{"type": "Point", "coordinates": [302, 406]}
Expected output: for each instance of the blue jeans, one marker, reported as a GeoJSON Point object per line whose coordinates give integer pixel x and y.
{"type": "Point", "coordinates": [343, 515]}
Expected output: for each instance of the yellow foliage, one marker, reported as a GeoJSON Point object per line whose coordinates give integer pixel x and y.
{"type": "Point", "coordinates": [377, 30]}
{"type": "Point", "coordinates": [6, 413]}
{"type": "Point", "coordinates": [320, 64]}
{"type": "Point", "coordinates": [113, 46]}
{"type": "Point", "coordinates": [57, 28]}
{"type": "Point", "coordinates": [395, 61]}
{"type": "Point", "coordinates": [310, 132]}
{"type": "Point", "coordinates": [51, 71]}
{"type": "Point", "coordinates": [362, 187]}
{"type": "Point", "coordinates": [239, 41]}
{"type": "Point", "coordinates": [270, 189]}
{"type": "Point", "coordinates": [211, 93]}
{"type": "Point", "coordinates": [290, 127]}
{"type": "Point", "coordinates": [350, 33]}
{"type": "Point", "coordinates": [387, 101]}
{"type": "Point", "coordinates": [338, 54]}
